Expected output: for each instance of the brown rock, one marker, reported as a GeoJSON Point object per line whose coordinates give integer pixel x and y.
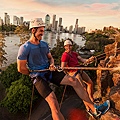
{"type": "Point", "coordinates": [115, 97]}
{"type": "Point", "coordinates": [110, 116]}
{"type": "Point", "coordinates": [116, 79]}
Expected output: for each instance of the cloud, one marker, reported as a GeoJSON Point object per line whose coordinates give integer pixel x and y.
{"type": "Point", "coordinates": [99, 9]}
{"type": "Point", "coordinates": [36, 7]}
{"type": "Point", "coordinates": [74, 2]}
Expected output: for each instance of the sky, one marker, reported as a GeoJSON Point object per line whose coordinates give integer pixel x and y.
{"type": "Point", "coordinates": [92, 14]}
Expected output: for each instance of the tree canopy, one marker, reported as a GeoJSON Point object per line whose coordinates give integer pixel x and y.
{"type": "Point", "coordinates": [97, 41]}
{"type": "Point", "coordinates": [18, 96]}
{"type": "Point", "coordinates": [18, 89]}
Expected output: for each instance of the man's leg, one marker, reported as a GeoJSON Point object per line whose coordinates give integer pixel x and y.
{"type": "Point", "coordinates": [46, 92]}
{"type": "Point", "coordinates": [85, 80]}
{"type": "Point", "coordinates": [80, 79]}
{"type": "Point", "coordinates": [61, 78]}
{"type": "Point", "coordinates": [80, 90]}
{"type": "Point", "coordinates": [89, 84]}
{"type": "Point", "coordinates": [54, 106]}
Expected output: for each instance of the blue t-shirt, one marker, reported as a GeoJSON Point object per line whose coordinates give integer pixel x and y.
{"type": "Point", "coordinates": [36, 56]}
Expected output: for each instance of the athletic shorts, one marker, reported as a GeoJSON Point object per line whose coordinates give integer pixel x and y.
{"type": "Point", "coordinates": [43, 86]}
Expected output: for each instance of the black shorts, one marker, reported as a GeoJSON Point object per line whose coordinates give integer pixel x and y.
{"type": "Point", "coordinates": [43, 86]}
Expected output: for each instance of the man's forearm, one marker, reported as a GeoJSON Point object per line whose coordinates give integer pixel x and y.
{"type": "Point", "coordinates": [24, 71]}
{"type": "Point", "coordinates": [52, 61]}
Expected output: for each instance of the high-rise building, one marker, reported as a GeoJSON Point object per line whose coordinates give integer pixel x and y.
{"type": "Point", "coordinates": [76, 21]}
{"type": "Point", "coordinates": [16, 20]}
{"type": "Point", "coordinates": [60, 22]}
{"type": "Point", "coordinates": [53, 22]}
{"type": "Point", "coordinates": [60, 27]}
{"type": "Point", "coordinates": [65, 30]}
{"type": "Point", "coordinates": [6, 19]}
{"type": "Point", "coordinates": [70, 29]}
{"type": "Point", "coordinates": [47, 22]}
{"type": "Point", "coordinates": [81, 30]}
{"type": "Point", "coordinates": [76, 26]}
{"type": "Point", "coordinates": [1, 21]}
{"type": "Point", "coordinates": [21, 20]}
{"type": "Point", "coordinates": [56, 25]}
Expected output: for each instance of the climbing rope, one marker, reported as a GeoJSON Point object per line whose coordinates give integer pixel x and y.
{"type": "Point", "coordinates": [77, 68]}
{"type": "Point", "coordinates": [63, 96]}
{"type": "Point", "coordinates": [31, 103]}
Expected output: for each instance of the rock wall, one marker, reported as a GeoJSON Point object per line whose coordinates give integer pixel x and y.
{"type": "Point", "coordinates": [108, 81]}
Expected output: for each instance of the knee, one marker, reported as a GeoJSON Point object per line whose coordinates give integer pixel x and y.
{"type": "Point", "coordinates": [90, 83]}
{"type": "Point", "coordinates": [52, 101]}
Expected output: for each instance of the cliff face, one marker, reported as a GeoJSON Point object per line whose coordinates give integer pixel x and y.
{"type": "Point", "coordinates": [108, 81]}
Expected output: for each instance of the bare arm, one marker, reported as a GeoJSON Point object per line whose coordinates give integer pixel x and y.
{"type": "Point", "coordinates": [52, 66]}
{"type": "Point", "coordinates": [91, 59]}
{"type": "Point", "coordinates": [63, 64]}
{"type": "Point", "coordinates": [81, 59]}
{"type": "Point", "coordinates": [22, 66]}
{"type": "Point", "coordinates": [50, 59]}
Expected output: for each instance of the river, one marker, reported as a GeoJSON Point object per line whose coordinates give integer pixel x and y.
{"type": "Point", "coordinates": [12, 41]}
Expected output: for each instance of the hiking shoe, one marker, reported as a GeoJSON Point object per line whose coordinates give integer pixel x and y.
{"type": "Point", "coordinates": [103, 107]}
{"type": "Point", "coordinates": [94, 115]}
{"type": "Point", "coordinates": [97, 100]}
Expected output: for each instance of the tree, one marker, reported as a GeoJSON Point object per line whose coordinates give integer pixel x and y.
{"type": "Point", "coordinates": [22, 29]}
{"type": "Point", "coordinates": [18, 97]}
{"type": "Point", "coordinates": [7, 28]}
{"type": "Point", "coordinates": [18, 90]}
{"type": "Point", "coordinates": [97, 41]}
{"type": "Point", "coordinates": [2, 51]}
{"type": "Point", "coordinates": [9, 75]}
{"type": "Point", "coordinates": [23, 32]}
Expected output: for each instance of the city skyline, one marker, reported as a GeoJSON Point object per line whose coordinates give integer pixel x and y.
{"type": "Point", "coordinates": [93, 14]}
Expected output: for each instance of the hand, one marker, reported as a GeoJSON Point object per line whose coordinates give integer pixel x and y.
{"type": "Point", "coordinates": [52, 67]}
{"type": "Point", "coordinates": [90, 60]}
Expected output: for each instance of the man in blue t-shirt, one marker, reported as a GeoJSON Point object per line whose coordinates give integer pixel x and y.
{"type": "Point", "coordinates": [35, 55]}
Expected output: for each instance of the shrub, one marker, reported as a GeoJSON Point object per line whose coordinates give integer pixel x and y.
{"type": "Point", "coordinates": [18, 97]}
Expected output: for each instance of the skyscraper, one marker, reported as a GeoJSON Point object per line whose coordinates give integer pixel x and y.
{"type": "Point", "coordinates": [47, 22]}
{"type": "Point", "coordinates": [56, 25]}
{"type": "Point", "coordinates": [6, 19]}
{"type": "Point", "coordinates": [76, 21]}
{"type": "Point", "coordinates": [60, 22]}
{"type": "Point", "coordinates": [76, 26]}
{"type": "Point", "coordinates": [70, 29]}
{"type": "Point", "coordinates": [81, 30]}
{"type": "Point", "coordinates": [1, 21]}
{"type": "Point", "coordinates": [16, 20]}
{"type": "Point", "coordinates": [60, 27]}
{"type": "Point", "coordinates": [21, 20]}
{"type": "Point", "coordinates": [53, 22]}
